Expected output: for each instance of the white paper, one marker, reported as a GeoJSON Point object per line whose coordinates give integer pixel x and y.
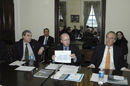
{"type": "Point", "coordinates": [17, 63]}
{"type": "Point", "coordinates": [53, 66]}
{"type": "Point", "coordinates": [62, 56]}
{"type": "Point", "coordinates": [65, 69]}
{"type": "Point", "coordinates": [25, 68]}
{"type": "Point", "coordinates": [95, 78]}
{"type": "Point", "coordinates": [118, 77]}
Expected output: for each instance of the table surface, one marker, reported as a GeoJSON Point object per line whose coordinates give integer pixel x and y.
{"type": "Point", "coordinates": [11, 77]}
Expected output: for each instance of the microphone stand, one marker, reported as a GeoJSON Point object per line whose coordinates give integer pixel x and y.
{"type": "Point", "coordinates": [47, 78]}
{"type": "Point", "coordinates": [50, 75]}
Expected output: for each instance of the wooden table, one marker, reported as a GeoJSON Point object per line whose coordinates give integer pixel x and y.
{"type": "Point", "coordinates": [11, 77]}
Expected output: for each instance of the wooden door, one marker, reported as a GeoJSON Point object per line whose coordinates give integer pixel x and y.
{"type": "Point", "coordinates": [7, 21]}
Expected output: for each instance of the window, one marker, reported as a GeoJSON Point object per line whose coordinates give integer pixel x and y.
{"type": "Point", "coordinates": [60, 15]}
{"type": "Point", "coordinates": [92, 19]}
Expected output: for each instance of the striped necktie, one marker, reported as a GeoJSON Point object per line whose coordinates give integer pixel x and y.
{"type": "Point", "coordinates": [26, 53]}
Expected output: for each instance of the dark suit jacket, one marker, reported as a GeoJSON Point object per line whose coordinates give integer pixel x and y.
{"type": "Point", "coordinates": [49, 41]}
{"type": "Point", "coordinates": [74, 50]}
{"type": "Point", "coordinates": [117, 55]}
{"type": "Point", "coordinates": [18, 50]}
{"type": "Point", "coordinates": [2, 50]}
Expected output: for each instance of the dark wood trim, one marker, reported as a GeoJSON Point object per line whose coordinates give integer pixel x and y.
{"type": "Point", "coordinates": [56, 21]}
{"type": "Point", "coordinates": [103, 17]}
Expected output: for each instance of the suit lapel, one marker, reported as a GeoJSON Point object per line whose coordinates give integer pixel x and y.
{"type": "Point", "coordinates": [114, 55]}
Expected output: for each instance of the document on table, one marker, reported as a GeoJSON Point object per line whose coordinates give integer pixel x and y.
{"type": "Point", "coordinates": [17, 63]}
{"type": "Point", "coordinates": [65, 69]}
{"type": "Point", "coordinates": [62, 56]}
{"type": "Point", "coordinates": [95, 77]}
{"type": "Point", "coordinates": [114, 79]}
{"type": "Point", "coordinates": [75, 77]}
{"type": "Point", "coordinates": [25, 68]}
{"type": "Point", "coordinates": [53, 66]}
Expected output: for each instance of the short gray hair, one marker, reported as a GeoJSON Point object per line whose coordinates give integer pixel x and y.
{"type": "Point", "coordinates": [113, 33]}
{"type": "Point", "coordinates": [26, 31]}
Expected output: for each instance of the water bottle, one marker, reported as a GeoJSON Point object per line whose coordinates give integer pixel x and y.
{"type": "Point", "coordinates": [31, 60]}
{"type": "Point", "coordinates": [101, 77]}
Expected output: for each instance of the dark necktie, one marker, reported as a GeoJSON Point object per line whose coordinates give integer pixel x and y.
{"type": "Point", "coordinates": [46, 41]}
{"type": "Point", "coordinates": [66, 48]}
{"type": "Point", "coordinates": [26, 53]}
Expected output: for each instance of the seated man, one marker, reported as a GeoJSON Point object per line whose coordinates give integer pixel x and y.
{"type": "Point", "coordinates": [108, 56]}
{"type": "Point", "coordinates": [27, 46]}
{"type": "Point", "coordinates": [46, 41]}
{"type": "Point", "coordinates": [75, 53]}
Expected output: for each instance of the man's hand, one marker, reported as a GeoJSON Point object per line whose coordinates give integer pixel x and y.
{"type": "Point", "coordinates": [53, 57]}
{"type": "Point", "coordinates": [72, 56]}
{"type": "Point", "coordinates": [90, 66]}
{"type": "Point", "coordinates": [126, 69]}
{"type": "Point", "coordinates": [40, 51]}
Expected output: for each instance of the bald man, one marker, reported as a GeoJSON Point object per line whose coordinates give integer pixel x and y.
{"type": "Point", "coordinates": [75, 53]}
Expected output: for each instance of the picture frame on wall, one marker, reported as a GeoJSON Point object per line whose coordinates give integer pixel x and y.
{"type": "Point", "coordinates": [75, 18]}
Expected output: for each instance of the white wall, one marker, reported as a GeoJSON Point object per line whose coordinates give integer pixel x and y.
{"type": "Point", "coordinates": [117, 18]}
{"type": "Point", "coordinates": [34, 15]}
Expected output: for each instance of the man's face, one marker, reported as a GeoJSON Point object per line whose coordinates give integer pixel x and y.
{"type": "Point", "coordinates": [110, 39]}
{"type": "Point", "coordinates": [65, 40]}
{"type": "Point", "coordinates": [27, 38]}
{"type": "Point", "coordinates": [75, 26]}
{"type": "Point", "coordinates": [46, 33]}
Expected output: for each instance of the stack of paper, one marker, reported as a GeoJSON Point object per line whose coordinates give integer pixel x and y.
{"type": "Point", "coordinates": [17, 63]}
{"type": "Point", "coordinates": [117, 80]}
{"type": "Point", "coordinates": [65, 69]}
{"type": "Point", "coordinates": [25, 68]}
{"type": "Point", "coordinates": [53, 66]}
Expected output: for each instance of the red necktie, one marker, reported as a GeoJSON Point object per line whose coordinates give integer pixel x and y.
{"type": "Point", "coordinates": [66, 48]}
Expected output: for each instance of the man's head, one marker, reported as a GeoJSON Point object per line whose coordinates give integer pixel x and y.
{"type": "Point", "coordinates": [65, 39]}
{"type": "Point", "coordinates": [110, 38]}
{"type": "Point", "coordinates": [74, 26]}
{"type": "Point", "coordinates": [27, 36]}
{"type": "Point", "coordinates": [46, 32]}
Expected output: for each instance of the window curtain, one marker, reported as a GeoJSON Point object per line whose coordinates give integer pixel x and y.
{"type": "Point", "coordinates": [96, 6]}
{"type": "Point", "coordinates": [87, 8]}
{"type": "Point", "coordinates": [62, 6]}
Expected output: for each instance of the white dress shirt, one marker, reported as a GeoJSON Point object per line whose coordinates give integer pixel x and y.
{"type": "Point", "coordinates": [45, 39]}
{"type": "Point", "coordinates": [29, 50]}
{"type": "Point", "coordinates": [103, 62]}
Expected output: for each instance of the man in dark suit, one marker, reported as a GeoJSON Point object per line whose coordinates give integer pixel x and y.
{"type": "Point", "coordinates": [75, 53]}
{"type": "Point", "coordinates": [100, 54]}
{"type": "Point", "coordinates": [26, 47]}
{"type": "Point", "coordinates": [75, 31]}
{"type": "Point", "coordinates": [46, 41]}
{"type": "Point", "coordinates": [42, 39]}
